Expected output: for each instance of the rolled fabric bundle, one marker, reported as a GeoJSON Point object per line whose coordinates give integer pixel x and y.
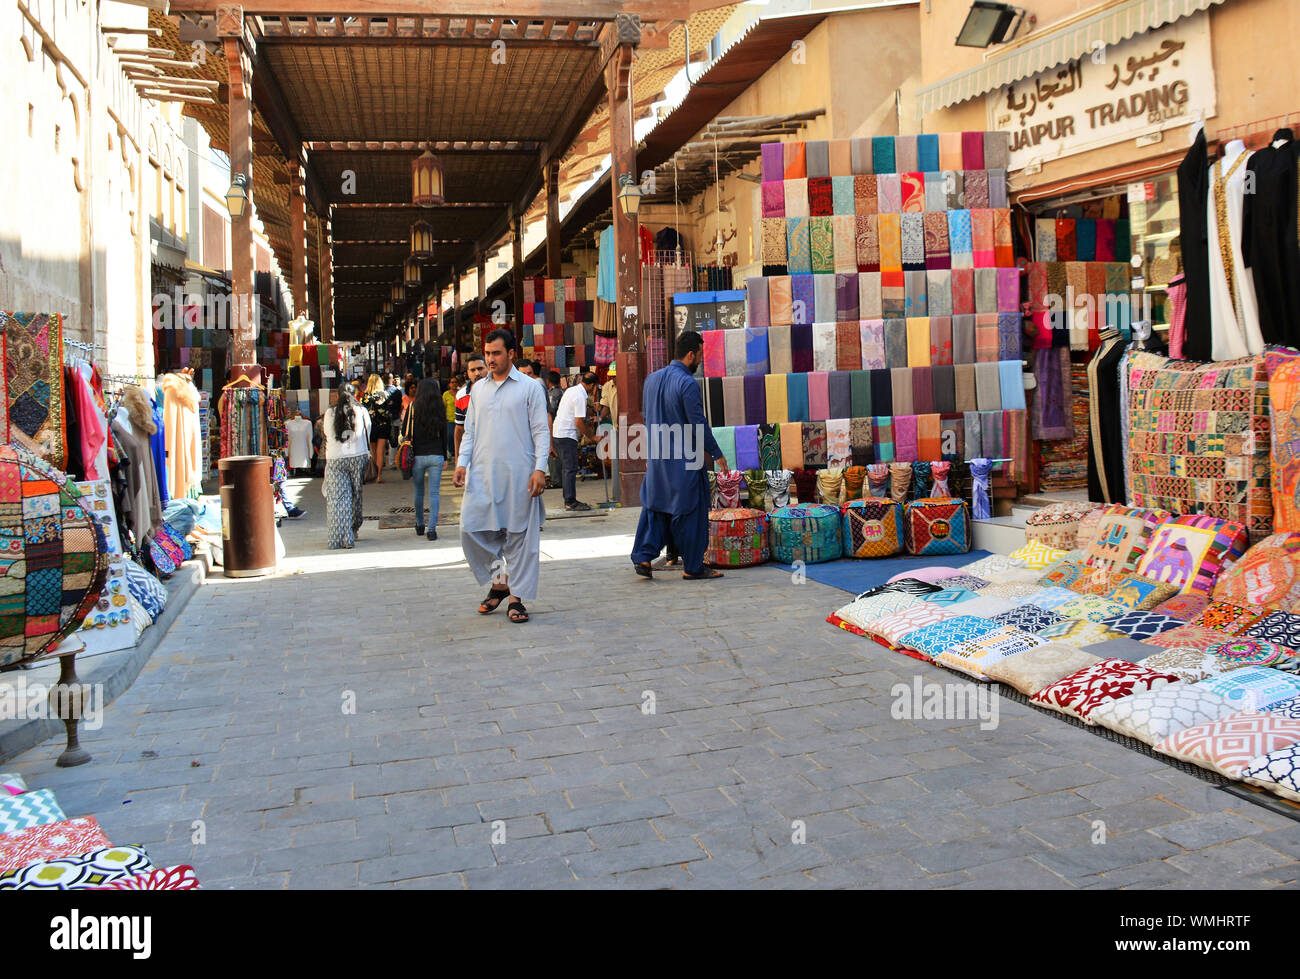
{"type": "Point", "coordinates": [778, 488]}
{"type": "Point", "coordinates": [900, 481]}
{"type": "Point", "coordinates": [830, 486]}
{"type": "Point", "coordinates": [775, 399]}
{"type": "Point", "coordinates": [928, 437]}
{"type": "Point", "coordinates": [839, 394]}
{"type": "Point", "coordinates": [715, 353]}
{"type": "Point", "coordinates": [986, 338]}
{"type": "Point", "coordinates": [920, 480]}
{"type": "Point", "coordinates": [735, 347]}
{"type": "Point", "coordinates": [823, 308]}
{"type": "Point", "coordinates": [733, 400]}
{"type": "Point", "coordinates": [901, 387]}
{"type": "Point", "coordinates": [854, 477]}
{"type": "Point", "coordinates": [797, 397]}
{"type": "Point", "coordinates": [839, 448]}
{"type": "Point", "coordinates": [987, 387]}
{"type": "Point", "coordinates": [791, 446]}
{"type": "Point", "coordinates": [918, 342]}
{"type": "Point", "coordinates": [1011, 387]}
{"type": "Point", "coordinates": [841, 157]}
{"type": "Point", "coordinates": [896, 345]}
{"type": "Point", "coordinates": [939, 473]}
{"type": "Point", "coordinates": [943, 380]}
{"type": "Point", "coordinates": [819, 398]}
{"type": "Point", "coordinates": [773, 198]}
{"type": "Point", "coordinates": [870, 301]}
{"type": "Point", "coordinates": [755, 386]}
{"type": "Point", "coordinates": [963, 339]}
{"type": "Point", "coordinates": [728, 489]}
{"type": "Point", "coordinates": [801, 347]}
{"type": "Point", "coordinates": [824, 346]}
{"type": "Point", "coordinates": [861, 441]}
{"type": "Point", "coordinates": [844, 238]}
{"type": "Point", "coordinates": [871, 337]}
{"type": "Point", "coordinates": [776, 243]}
{"type": "Point", "coordinates": [923, 390]}
{"type": "Point", "coordinates": [805, 485]}
{"type": "Point", "coordinates": [882, 436]}
{"type": "Point", "coordinates": [848, 346]}
{"type": "Point", "coordinates": [803, 297]}
{"type": "Point", "coordinates": [980, 470]}
{"type": "Point", "coordinates": [756, 353]}
{"type": "Point", "coordinates": [860, 155]}
{"type": "Point", "coordinates": [905, 438]}
{"type": "Point", "coordinates": [778, 350]}
{"type": "Point", "coordinates": [964, 385]}
{"type": "Point", "coordinates": [746, 447]}
{"type": "Point", "coordinates": [877, 486]}
{"type": "Point", "coordinates": [796, 198]}
{"type": "Point", "coordinates": [798, 245]}
{"type": "Point", "coordinates": [773, 162]}
{"type": "Point", "coordinates": [859, 394]}
{"type": "Point", "coordinates": [756, 488]}
{"type": "Point", "coordinates": [756, 307]}
{"type": "Point", "coordinates": [769, 446]}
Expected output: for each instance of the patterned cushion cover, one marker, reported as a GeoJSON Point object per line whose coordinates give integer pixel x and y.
{"type": "Point", "coordinates": [934, 638]}
{"type": "Point", "coordinates": [904, 586]}
{"type": "Point", "coordinates": [809, 533]}
{"type": "Point", "coordinates": [1195, 636]}
{"type": "Point", "coordinates": [148, 590]}
{"type": "Point", "coordinates": [1190, 551]}
{"type": "Point", "coordinates": [88, 870]}
{"type": "Point", "coordinates": [1051, 597]}
{"type": "Point", "coordinates": [1057, 524]}
{"type": "Point", "coordinates": [992, 567]}
{"type": "Point", "coordinates": [1287, 708]}
{"type": "Point", "coordinates": [1244, 651]}
{"type": "Point", "coordinates": [862, 610]}
{"type": "Point", "coordinates": [1231, 620]}
{"type": "Point", "coordinates": [1142, 594]}
{"type": "Point", "coordinates": [29, 809]}
{"type": "Point", "coordinates": [50, 841]}
{"type": "Point", "coordinates": [1153, 715]}
{"type": "Point", "coordinates": [1268, 575]}
{"type": "Point", "coordinates": [1188, 663]}
{"type": "Point", "coordinates": [1254, 687]}
{"type": "Point", "coordinates": [1029, 618]}
{"type": "Point", "coordinates": [1281, 627]}
{"type": "Point", "coordinates": [1038, 556]}
{"type": "Point", "coordinates": [974, 656]}
{"type": "Point", "coordinates": [987, 606]}
{"type": "Point", "coordinates": [1080, 693]}
{"type": "Point", "coordinates": [1183, 607]}
{"type": "Point", "coordinates": [1090, 607]}
{"type": "Point", "coordinates": [737, 538]}
{"type": "Point", "coordinates": [11, 783]}
{"type": "Point", "coordinates": [939, 525]}
{"type": "Point", "coordinates": [969, 581]}
{"type": "Point", "coordinates": [894, 626]}
{"type": "Point", "coordinates": [1034, 669]}
{"type": "Point", "coordinates": [179, 878]}
{"type": "Point", "coordinates": [1278, 771]}
{"type": "Point", "coordinates": [1063, 573]}
{"type": "Point", "coordinates": [873, 528]}
{"type": "Point", "coordinates": [1141, 625]}
{"type": "Point", "coordinates": [1122, 537]}
{"type": "Point", "coordinates": [1089, 524]}
{"type": "Point", "coordinates": [951, 596]}
{"type": "Point", "coordinates": [1012, 590]}
{"type": "Point", "coordinates": [1231, 743]}
{"type": "Point", "coordinates": [1079, 632]}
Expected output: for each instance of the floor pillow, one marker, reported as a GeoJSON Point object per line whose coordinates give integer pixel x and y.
{"type": "Point", "coordinates": [951, 596]}
{"type": "Point", "coordinates": [34, 808]}
{"type": "Point", "coordinates": [988, 606]}
{"type": "Point", "coordinates": [1079, 632]}
{"type": "Point", "coordinates": [873, 528]}
{"type": "Point", "coordinates": [1122, 537]}
{"type": "Point", "coordinates": [179, 878]}
{"type": "Point", "coordinates": [148, 590]}
{"type": "Point", "coordinates": [1254, 687]}
{"type": "Point", "coordinates": [1278, 772]}
{"type": "Point", "coordinates": [51, 841]}
{"type": "Point", "coordinates": [1190, 551]}
{"type": "Point", "coordinates": [1230, 619]}
{"type": "Point", "coordinates": [1093, 608]}
{"type": "Point", "coordinates": [929, 575]}
{"type": "Point", "coordinates": [969, 581]}
{"type": "Point", "coordinates": [1038, 556]}
{"type": "Point", "coordinates": [1057, 524]}
{"type": "Point", "coordinates": [1184, 607]}
{"type": "Point", "coordinates": [975, 656]}
{"type": "Point", "coordinates": [1231, 743]}
{"type": "Point", "coordinates": [808, 533]}
{"type": "Point", "coordinates": [1029, 618]}
{"type": "Point", "coordinates": [1064, 573]}
{"type": "Point", "coordinates": [1127, 648]}
{"type": "Point", "coordinates": [1188, 663]}
{"type": "Point", "coordinates": [1051, 597]}
{"type": "Point", "coordinates": [1281, 627]}
{"type": "Point", "coordinates": [1153, 715]}
{"type": "Point", "coordinates": [862, 610]}
{"type": "Point", "coordinates": [737, 538]}
{"type": "Point", "coordinates": [1287, 708]}
{"type": "Point", "coordinates": [992, 567]}
{"type": "Point", "coordinates": [1034, 669]}
{"type": "Point", "coordinates": [1139, 593]}
{"type": "Point", "coordinates": [934, 638]}
{"type": "Point", "coordinates": [1244, 651]}
{"type": "Point", "coordinates": [894, 626]}
{"type": "Point", "coordinates": [937, 526]}
{"type": "Point", "coordinates": [1082, 692]}
{"type": "Point", "coordinates": [1088, 525]}
{"type": "Point", "coordinates": [1141, 625]}
{"type": "Point", "coordinates": [87, 870]}
{"type": "Point", "coordinates": [1268, 575]}
{"type": "Point", "coordinates": [1012, 590]}
{"type": "Point", "coordinates": [1196, 636]}
{"type": "Point", "coordinates": [11, 783]}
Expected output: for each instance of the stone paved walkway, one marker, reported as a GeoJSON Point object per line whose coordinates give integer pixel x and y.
{"type": "Point", "coordinates": [767, 722]}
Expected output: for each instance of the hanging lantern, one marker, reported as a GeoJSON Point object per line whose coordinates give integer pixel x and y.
{"type": "Point", "coordinates": [426, 180]}
{"type": "Point", "coordinates": [421, 240]}
{"type": "Point", "coordinates": [411, 273]}
{"type": "Point", "coordinates": [389, 308]}
{"type": "Point", "coordinates": [398, 293]}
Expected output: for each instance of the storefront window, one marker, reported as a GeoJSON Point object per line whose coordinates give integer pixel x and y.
{"type": "Point", "coordinates": [1153, 216]}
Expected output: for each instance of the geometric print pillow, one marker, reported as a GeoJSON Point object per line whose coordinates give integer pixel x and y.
{"type": "Point", "coordinates": [1081, 693]}
{"type": "Point", "coordinates": [894, 626]}
{"type": "Point", "coordinates": [1091, 607]}
{"type": "Point", "coordinates": [148, 590]}
{"type": "Point", "coordinates": [1231, 620]}
{"type": "Point", "coordinates": [89, 870]}
{"type": "Point", "coordinates": [936, 637]}
{"type": "Point", "coordinates": [1037, 556]}
{"type": "Point", "coordinates": [29, 809]}
{"type": "Point", "coordinates": [973, 582]}
{"type": "Point", "coordinates": [1156, 714]}
{"type": "Point", "coordinates": [1080, 633]}
{"type": "Point", "coordinates": [1278, 771]}
{"type": "Point", "coordinates": [1254, 687]}
{"type": "Point", "coordinates": [1229, 745]}
{"type": "Point", "coordinates": [862, 610]}
{"type": "Point", "coordinates": [179, 878]}
{"type": "Point", "coordinates": [1242, 651]}
{"type": "Point", "coordinates": [952, 596]}
{"type": "Point", "coordinates": [1281, 627]}
{"type": "Point", "coordinates": [1141, 625]}
{"type": "Point", "coordinates": [1029, 618]}
{"type": "Point", "coordinates": [975, 656]}
{"type": "Point", "coordinates": [1122, 537]}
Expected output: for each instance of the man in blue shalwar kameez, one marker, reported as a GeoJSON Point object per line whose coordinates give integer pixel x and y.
{"type": "Point", "coordinates": [675, 491]}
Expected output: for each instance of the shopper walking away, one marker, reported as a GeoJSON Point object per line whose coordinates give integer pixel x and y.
{"type": "Point", "coordinates": [475, 368]}
{"type": "Point", "coordinates": [449, 404]}
{"type": "Point", "coordinates": [376, 403]}
{"type": "Point", "coordinates": [570, 423]}
{"type": "Point", "coordinates": [428, 441]}
{"type": "Point", "coordinates": [554, 392]}
{"type": "Point", "coordinates": [675, 491]}
{"type": "Point", "coordinates": [502, 465]}
{"type": "Point", "coordinates": [347, 447]}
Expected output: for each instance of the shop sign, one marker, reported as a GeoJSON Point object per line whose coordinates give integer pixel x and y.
{"type": "Point", "coordinates": [1155, 81]}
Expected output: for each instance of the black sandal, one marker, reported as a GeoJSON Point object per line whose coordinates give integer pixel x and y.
{"type": "Point", "coordinates": [708, 573]}
{"type": "Point", "coordinates": [516, 612]}
{"type": "Point", "coordinates": [494, 598]}
{"type": "Point", "coordinates": [644, 570]}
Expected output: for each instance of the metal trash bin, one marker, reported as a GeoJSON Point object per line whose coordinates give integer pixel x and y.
{"type": "Point", "coordinates": [247, 516]}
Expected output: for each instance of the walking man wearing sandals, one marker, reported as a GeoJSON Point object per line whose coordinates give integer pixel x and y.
{"type": "Point", "coordinates": [502, 465]}
{"type": "Point", "coordinates": [675, 491]}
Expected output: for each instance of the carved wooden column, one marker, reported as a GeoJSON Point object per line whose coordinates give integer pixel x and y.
{"type": "Point", "coordinates": [245, 309]}
{"type": "Point", "coordinates": [553, 219]}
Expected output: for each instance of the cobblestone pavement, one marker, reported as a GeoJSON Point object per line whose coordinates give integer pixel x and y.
{"type": "Point", "coordinates": [469, 730]}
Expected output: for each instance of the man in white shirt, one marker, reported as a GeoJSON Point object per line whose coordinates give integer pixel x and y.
{"type": "Point", "coordinates": [570, 422]}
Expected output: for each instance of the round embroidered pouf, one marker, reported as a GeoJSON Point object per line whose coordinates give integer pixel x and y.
{"type": "Point", "coordinates": [737, 538]}
{"type": "Point", "coordinates": [809, 533]}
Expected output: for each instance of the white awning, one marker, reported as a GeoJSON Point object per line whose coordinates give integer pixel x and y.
{"type": "Point", "coordinates": [1109, 26]}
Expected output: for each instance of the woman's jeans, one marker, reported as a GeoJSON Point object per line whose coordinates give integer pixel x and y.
{"type": "Point", "coordinates": [432, 466]}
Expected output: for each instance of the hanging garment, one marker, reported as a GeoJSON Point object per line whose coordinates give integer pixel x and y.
{"type": "Point", "coordinates": [1269, 245]}
{"type": "Point", "coordinates": [1106, 451]}
{"type": "Point", "coordinates": [181, 431]}
{"type": "Point", "coordinates": [1234, 312]}
{"type": "Point", "coordinates": [158, 445]}
{"type": "Point", "coordinates": [1193, 240]}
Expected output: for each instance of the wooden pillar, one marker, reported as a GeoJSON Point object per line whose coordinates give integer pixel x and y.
{"type": "Point", "coordinates": [627, 254]}
{"type": "Point", "coordinates": [326, 251]}
{"type": "Point", "coordinates": [553, 219]}
{"type": "Point", "coordinates": [298, 238]}
{"type": "Point", "coordinates": [244, 305]}
{"type": "Point", "coordinates": [455, 308]}
{"type": "Point", "coordinates": [517, 272]}
{"type": "Point", "coordinates": [482, 281]}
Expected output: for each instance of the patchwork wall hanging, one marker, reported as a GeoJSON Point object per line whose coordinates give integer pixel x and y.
{"type": "Point", "coordinates": [31, 384]}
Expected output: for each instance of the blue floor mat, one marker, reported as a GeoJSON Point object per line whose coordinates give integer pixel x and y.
{"type": "Point", "coordinates": [856, 575]}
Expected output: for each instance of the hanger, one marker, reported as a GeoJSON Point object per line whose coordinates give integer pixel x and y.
{"type": "Point", "coordinates": [243, 381]}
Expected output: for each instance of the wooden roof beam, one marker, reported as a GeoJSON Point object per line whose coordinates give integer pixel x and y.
{"type": "Point", "coordinates": [580, 10]}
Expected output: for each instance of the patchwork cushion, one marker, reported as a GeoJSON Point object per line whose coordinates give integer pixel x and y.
{"type": "Point", "coordinates": [29, 809]}
{"type": "Point", "coordinates": [1082, 692]}
{"type": "Point", "coordinates": [904, 586]}
{"type": "Point", "coordinates": [1038, 556]}
{"type": "Point", "coordinates": [1093, 608]}
{"type": "Point", "coordinates": [1187, 663]}
{"type": "Point", "coordinates": [968, 581]}
{"type": "Point", "coordinates": [178, 878]}
{"type": "Point", "coordinates": [88, 870]}
{"type": "Point", "coordinates": [1057, 524]}
{"type": "Point", "coordinates": [1064, 573]}
{"type": "Point", "coordinates": [808, 533]}
{"type": "Point", "coordinates": [1244, 651]}
{"type": "Point", "coordinates": [1089, 524]}
{"type": "Point", "coordinates": [937, 526]}
{"type": "Point", "coordinates": [1154, 715]}
{"type": "Point", "coordinates": [1122, 537]}
{"type": "Point", "coordinates": [1267, 575]}
{"type": "Point", "coordinates": [1139, 593]}
{"type": "Point", "coordinates": [1231, 620]}
{"type": "Point", "coordinates": [974, 656]}
{"type": "Point", "coordinates": [1281, 627]}
{"type": "Point", "coordinates": [1183, 607]}
{"type": "Point", "coordinates": [1029, 618]}
{"type": "Point", "coordinates": [1141, 625]}
{"type": "Point", "coordinates": [951, 596]}
{"type": "Point", "coordinates": [934, 638]}
{"type": "Point", "coordinates": [896, 625]}
{"type": "Point", "coordinates": [1254, 687]}
{"type": "Point", "coordinates": [1195, 636]}
{"type": "Point", "coordinates": [1278, 772]}
{"type": "Point", "coordinates": [1079, 632]}
{"type": "Point", "coordinates": [51, 841]}
{"type": "Point", "coordinates": [872, 528]}
{"type": "Point", "coordinates": [1014, 590]}
{"type": "Point", "coordinates": [1190, 551]}
{"type": "Point", "coordinates": [1034, 669]}
{"type": "Point", "coordinates": [862, 610]}
{"type": "Point", "coordinates": [1051, 597]}
{"type": "Point", "coordinates": [737, 538]}
{"type": "Point", "coordinates": [1231, 743]}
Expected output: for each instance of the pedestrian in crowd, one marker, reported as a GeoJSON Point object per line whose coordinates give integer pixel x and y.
{"type": "Point", "coordinates": [609, 397]}
{"type": "Point", "coordinates": [475, 368]}
{"type": "Point", "coordinates": [428, 442]}
{"type": "Point", "coordinates": [449, 405]}
{"type": "Point", "coordinates": [347, 427]}
{"type": "Point", "coordinates": [675, 491]}
{"type": "Point", "coordinates": [526, 368]}
{"type": "Point", "coordinates": [570, 424]}
{"type": "Point", "coordinates": [554, 392]}
{"type": "Point", "coordinates": [502, 465]}
{"type": "Point", "coordinates": [408, 392]}
{"type": "Point", "coordinates": [376, 402]}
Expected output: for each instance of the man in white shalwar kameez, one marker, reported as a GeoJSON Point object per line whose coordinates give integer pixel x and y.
{"type": "Point", "coordinates": [502, 465]}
